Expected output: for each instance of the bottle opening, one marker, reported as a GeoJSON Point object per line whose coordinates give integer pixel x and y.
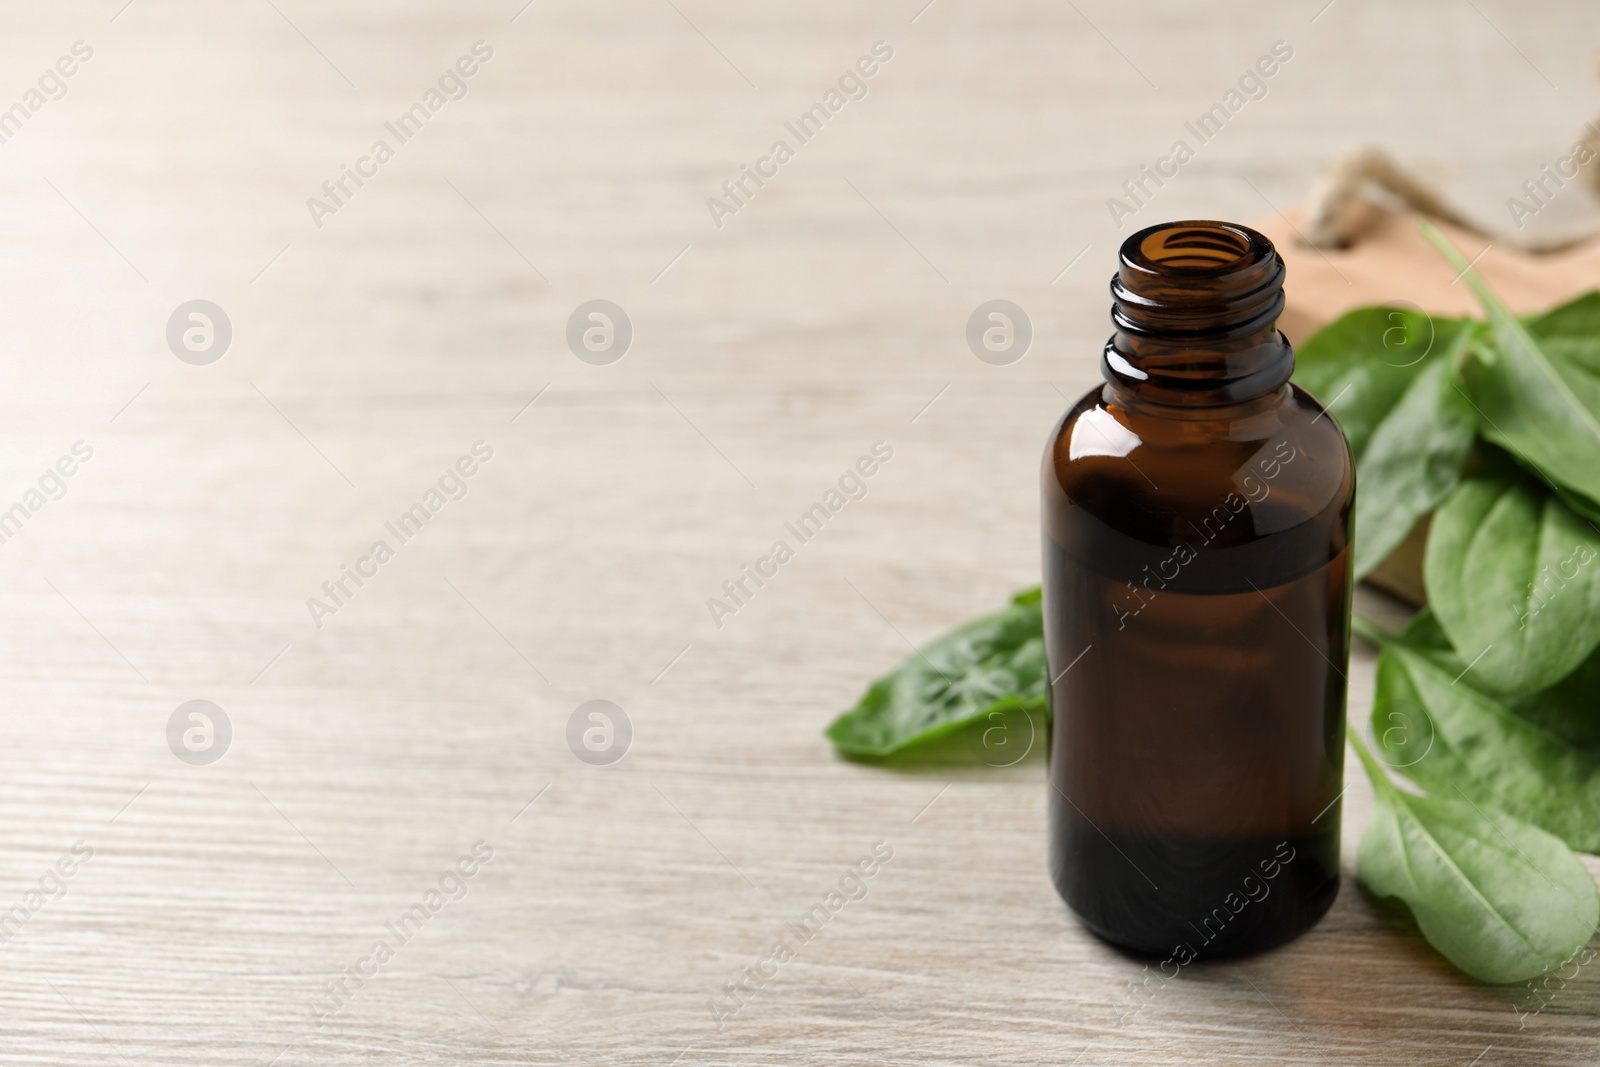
{"type": "Point", "coordinates": [1194, 246]}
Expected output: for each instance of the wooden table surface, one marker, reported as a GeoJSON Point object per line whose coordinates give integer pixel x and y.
{"type": "Point", "coordinates": [214, 911]}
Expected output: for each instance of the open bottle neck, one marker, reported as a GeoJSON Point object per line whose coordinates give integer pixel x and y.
{"type": "Point", "coordinates": [1195, 306]}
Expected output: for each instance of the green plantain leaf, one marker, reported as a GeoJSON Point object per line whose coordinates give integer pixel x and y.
{"type": "Point", "coordinates": [1512, 578]}
{"type": "Point", "coordinates": [1423, 631]}
{"type": "Point", "coordinates": [1577, 319]}
{"type": "Point", "coordinates": [1412, 462]}
{"type": "Point", "coordinates": [1569, 336]}
{"type": "Point", "coordinates": [1537, 386]}
{"type": "Point", "coordinates": [1499, 898]}
{"type": "Point", "coordinates": [993, 664]}
{"type": "Point", "coordinates": [1570, 709]}
{"type": "Point", "coordinates": [1456, 741]}
{"type": "Point", "coordinates": [1389, 377]}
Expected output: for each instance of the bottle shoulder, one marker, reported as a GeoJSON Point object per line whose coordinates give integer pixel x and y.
{"type": "Point", "coordinates": [1257, 471]}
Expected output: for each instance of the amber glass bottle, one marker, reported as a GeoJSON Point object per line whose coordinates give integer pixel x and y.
{"type": "Point", "coordinates": [1197, 522]}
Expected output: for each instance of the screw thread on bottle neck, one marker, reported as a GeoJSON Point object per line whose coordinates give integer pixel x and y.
{"type": "Point", "coordinates": [1195, 306]}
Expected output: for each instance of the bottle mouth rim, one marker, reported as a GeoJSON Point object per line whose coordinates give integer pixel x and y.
{"type": "Point", "coordinates": [1183, 279]}
{"type": "Point", "coordinates": [1196, 248]}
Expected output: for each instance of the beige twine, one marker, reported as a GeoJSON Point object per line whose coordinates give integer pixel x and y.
{"type": "Point", "coordinates": [1342, 202]}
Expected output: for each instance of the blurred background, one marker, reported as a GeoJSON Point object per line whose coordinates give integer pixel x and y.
{"type": "Point", "coordinates": [361, 346]}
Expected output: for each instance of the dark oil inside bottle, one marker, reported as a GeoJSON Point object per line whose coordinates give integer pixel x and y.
{"type": "Point", "coordinates": [1197, 517]}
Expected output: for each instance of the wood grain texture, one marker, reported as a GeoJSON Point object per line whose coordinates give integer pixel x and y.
{"type": "Point", "coordinates": [425, 715]}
